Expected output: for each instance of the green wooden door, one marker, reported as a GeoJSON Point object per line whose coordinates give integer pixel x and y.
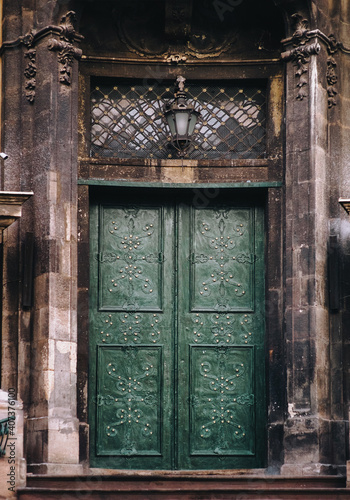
{"type": "Point", "coordinates": [177, 335]}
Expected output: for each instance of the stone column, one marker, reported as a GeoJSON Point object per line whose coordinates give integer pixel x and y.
{"type": "Point", "coordinates": [41, 127]}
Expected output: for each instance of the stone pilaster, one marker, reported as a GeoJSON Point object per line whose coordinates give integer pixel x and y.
{"type": "Point", "coordinates": [307, 323]}
{"type": "Point", "coordinates": [48, 142]}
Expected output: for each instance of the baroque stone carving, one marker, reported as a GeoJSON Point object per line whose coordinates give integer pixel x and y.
{"type": "Point", "coordinates": [303, 50]}
{"type": "Point", "coordinates": [30, 73]}
{"type": "Point", "coordinates": [332, 79]}
{"type": "Point", "coordinates": [65, 48]}
{"type": "Point", "coordinates": [145, 39]}
{"type": "Point", "coordinates": [300, 54]}
{"type": "Point", "coordinates": [178, 19]}
{"type": "Point", "coordinates": [68, 52]}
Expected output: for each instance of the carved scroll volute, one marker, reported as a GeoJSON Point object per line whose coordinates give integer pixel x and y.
{"type": "Point", "coordinates": [67, 52]}
{"type": "Point", "coordinates": [66, 55]}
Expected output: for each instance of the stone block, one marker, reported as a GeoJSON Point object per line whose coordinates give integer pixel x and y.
{"type": "Point", "coordinates": [63, 447]}
{"type": "Point", "coordinates": [301, 444]}
{"type": "Point", "coordinates": [339, 442]}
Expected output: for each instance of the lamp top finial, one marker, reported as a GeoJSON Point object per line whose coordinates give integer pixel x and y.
{"type": "Point", "coordinates": [181, 83]}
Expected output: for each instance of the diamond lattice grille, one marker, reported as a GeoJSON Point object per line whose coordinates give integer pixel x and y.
{"type": "Point", "coordinates": [128, 121]}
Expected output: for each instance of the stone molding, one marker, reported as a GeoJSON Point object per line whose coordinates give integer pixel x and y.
{"type": "Point", "coordinates": [67, 52]}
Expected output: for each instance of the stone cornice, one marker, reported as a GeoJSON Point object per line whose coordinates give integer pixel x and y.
{"type": "Point", "coordinates": [345, 203]}
{"type": "Point", "coordinates": [330, 41]}
{"type": "Point", "coordinates": [31, 39]}
{"type": "Point", "coordinates": [11, 206]}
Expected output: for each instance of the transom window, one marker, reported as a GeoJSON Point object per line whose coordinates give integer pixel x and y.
{"type": "Point", "coordinates": [127, 120]}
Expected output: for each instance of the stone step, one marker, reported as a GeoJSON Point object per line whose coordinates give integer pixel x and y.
{"type": "Point", "coordinates": [149, 494]}
{"type": "Point", "coordinates": [174, 486]}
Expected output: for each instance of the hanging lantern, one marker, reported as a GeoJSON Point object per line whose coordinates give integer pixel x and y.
{"type": "Point", "coordinates": [181, 118]}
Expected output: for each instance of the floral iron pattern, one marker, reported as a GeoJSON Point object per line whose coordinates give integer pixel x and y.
{"type": "Point", "coordinates": [225, 273]}
{"type": "Point", "coordinates": [130, 244]}
{"type": "Point", "coordinates": [129, 412]}
{"type": "Point", "coordinates": [221, 398]}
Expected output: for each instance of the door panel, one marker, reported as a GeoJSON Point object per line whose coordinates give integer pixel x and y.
{"type": "Point", "coordinates": [177, 335]}
{"type": "Point", "coordinates": [222, 259]}
{"type": "Point", "coordinates": [221, 406]}
{"type": "Point", "coordinates": [131, 258]}
{"type": "Point", "coordinates": [222, 400]}
{"type": "Point", "coordinates": [129, 382]}
{"type": "Point", "coordinates": [131, 348]}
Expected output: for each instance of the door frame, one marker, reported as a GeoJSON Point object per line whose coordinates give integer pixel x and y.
{"type": "Point", "coordinates": [272, 196]}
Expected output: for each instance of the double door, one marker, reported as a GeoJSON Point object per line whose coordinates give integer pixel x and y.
{"type": "Point", "coordinates": [176, 377]}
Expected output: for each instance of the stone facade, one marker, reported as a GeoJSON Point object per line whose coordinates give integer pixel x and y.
{"type": "Point", "coordinates": [46, 70]}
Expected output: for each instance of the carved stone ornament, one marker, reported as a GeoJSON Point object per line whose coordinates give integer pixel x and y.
{"type": "Point", "coordinates": [301, 58]}
{"type": "Point", "coordinates": [332, 79]}
{"type": "Point", "coordinates": [300, 54]}
{"type": "Point", "coordinates": [65, 48]}
{"type": "Point", "coordinates": [66, 55]}
{"type": "Point", "coordinates": [141, 33]}
{"type": "Point", "coordinates": [305, 44]}
{"type": "Point", "coordinates": [67, 51]}
{"type": "Point", "coordinates": [30, 73]}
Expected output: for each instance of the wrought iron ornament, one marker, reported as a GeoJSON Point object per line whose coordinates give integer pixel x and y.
{"type": "Point", "coordinates": [127, 121]}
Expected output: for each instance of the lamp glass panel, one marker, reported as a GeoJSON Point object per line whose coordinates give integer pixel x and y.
{"type": "Point", "coordinates": [171, 122]}
{"type": "Point", "coordinates": [192, 123]}
{"type": "Point", "coordinates": [181, 118]}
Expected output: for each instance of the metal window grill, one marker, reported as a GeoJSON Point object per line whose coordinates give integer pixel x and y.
{"type": "Point", "coordinates": [127, 120]}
